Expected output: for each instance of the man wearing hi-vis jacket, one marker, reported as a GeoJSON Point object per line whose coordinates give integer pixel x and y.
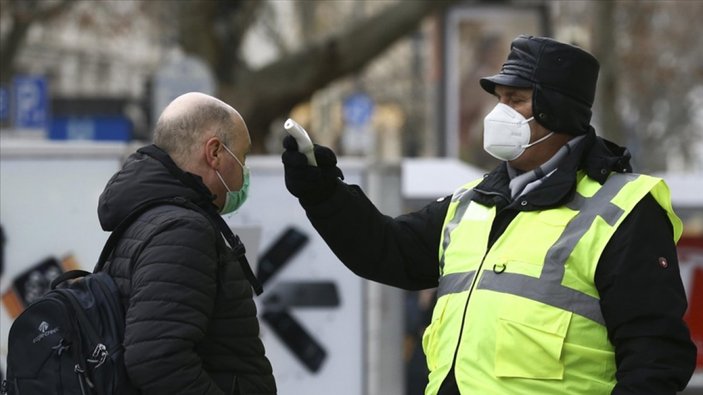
{"type": "Point", "coordinates": [557, 272]}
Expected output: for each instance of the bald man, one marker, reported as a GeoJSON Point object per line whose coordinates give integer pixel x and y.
{"type": "Point", "coordinates": [191, 325]}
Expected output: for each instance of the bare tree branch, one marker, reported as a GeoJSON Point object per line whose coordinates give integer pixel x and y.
{"type": "Point", "coordinates": [273, 33]}
{"type": "Point", "coordinates": [196, 34]}
{"type": "Point", "coordinates": [23, 14]}
{"type": "Point", "coordinates": [240, 20]}
{"type": "Point", "coordinates": [605, 50]}
{"type": "Point", "coordinates": [214, 31]}
{"type": "Point", "coordinates": [270, 92]}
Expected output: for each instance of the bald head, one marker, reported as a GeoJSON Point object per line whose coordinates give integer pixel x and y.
{"type": "Point", "coordinates": [192, 118]}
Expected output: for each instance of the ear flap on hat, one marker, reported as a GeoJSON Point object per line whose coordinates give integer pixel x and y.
{"type": "Point", "coordinates": [560, 113]}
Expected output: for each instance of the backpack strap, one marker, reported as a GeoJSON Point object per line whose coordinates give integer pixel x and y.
{"type": "Point", "coordinates": [116, 234]}
{"type": "Point", "coordinates": [69, 275]}
{"type": "Point", "coordinates": [239, 251]}
{"type": "Point", "coordinates": [219, 223]}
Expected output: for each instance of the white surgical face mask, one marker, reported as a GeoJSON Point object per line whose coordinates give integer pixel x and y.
{"type": "Point", "coordinates": [506, 133]}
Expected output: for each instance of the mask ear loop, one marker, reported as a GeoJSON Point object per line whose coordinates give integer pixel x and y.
{"type": "Point", "coordinates": [223, 181]}
{"type": "Point", "coordinates": [538, 141]}
{"type": "Point", "coordinates": [238, 161]}
{"type": "Point", "coordinates": [233, 155]}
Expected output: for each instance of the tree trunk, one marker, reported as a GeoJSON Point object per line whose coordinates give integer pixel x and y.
{"type": "Point", "coordinates": [23, 15]}
{"type": "Point", "coordinates": [605, 50]}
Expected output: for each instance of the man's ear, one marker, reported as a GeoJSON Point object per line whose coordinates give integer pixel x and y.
{"type": "Point", "coordinates": [212, 152]}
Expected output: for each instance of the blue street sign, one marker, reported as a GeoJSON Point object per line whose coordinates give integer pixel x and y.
{"type": "Point", "coordinates": [4, 105]}
{"type": "Point", "coordinates": [31, 102]}
{"type": "Point", "coordinates": [102, 128]}
{"type": "Point", "coordinates": [357, 109]}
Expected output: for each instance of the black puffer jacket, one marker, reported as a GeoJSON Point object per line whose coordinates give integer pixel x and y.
{"type": "Point", "coordinates": [642, 303]}
{"type": "Point", "coordinates": [184, 333]}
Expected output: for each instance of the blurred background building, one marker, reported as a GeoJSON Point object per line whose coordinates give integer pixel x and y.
{"type": "Point", "coordinates": [391, 83]}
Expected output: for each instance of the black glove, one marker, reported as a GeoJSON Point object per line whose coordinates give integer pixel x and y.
{"type": "Point", "coordinates": [310, 184]}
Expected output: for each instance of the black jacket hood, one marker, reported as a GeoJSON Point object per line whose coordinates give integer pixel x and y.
{"type": "Point", "coordinates": [148, 174]}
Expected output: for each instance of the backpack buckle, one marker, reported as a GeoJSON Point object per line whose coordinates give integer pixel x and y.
{"type": "Point", "coordinates": [99, 355]}
{"type": "Point", "coordinates": [61, 347]}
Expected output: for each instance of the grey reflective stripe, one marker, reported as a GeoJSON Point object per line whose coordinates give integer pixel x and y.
{"type": "Point", "coordinates": [588, 209]}
{"type": "Point", "coordinates": [464, 198]}
{"type": "Point", "coordinates": [539, 290]}
{"type": "Point", "coordinates": [454, 282]}
{"type": "Point", "coordinates": [547, 288]}
{"type": "Point", "coordinates": [459, 195]}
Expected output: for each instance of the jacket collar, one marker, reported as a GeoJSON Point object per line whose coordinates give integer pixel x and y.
{"type": "Point", "coordinates": [148, 174]}
{"type": "Point", "coordinates": [190, 180]}
{"type": "Point", "coordinates": [596, 156]}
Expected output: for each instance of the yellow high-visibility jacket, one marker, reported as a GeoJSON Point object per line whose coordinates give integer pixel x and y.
{"type": "Point", "coordinates": [523, 316]}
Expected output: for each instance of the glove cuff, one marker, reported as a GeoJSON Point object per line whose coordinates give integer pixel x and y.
{"type": "Point", "coordinates": [325, 194]}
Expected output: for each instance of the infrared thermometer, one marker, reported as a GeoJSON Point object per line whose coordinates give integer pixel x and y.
{"type": "Point", "coordinates": [301, 137]}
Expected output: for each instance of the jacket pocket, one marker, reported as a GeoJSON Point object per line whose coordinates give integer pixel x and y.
{"type": "Point", "coordinates": [429, 343]}
{"type": "Point", "coordinates": [529, 342]}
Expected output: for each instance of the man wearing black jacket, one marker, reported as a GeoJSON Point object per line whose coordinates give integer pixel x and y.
{"type": "Point", "coordinates": [557, 272]}
{"type": "Point", "coordinates": [191, 325]}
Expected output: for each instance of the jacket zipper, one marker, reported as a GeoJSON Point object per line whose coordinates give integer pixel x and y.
{"type": "Point", "coordinates": [491, 241]}
{"type": "Point", "coordinates": [463, 319]}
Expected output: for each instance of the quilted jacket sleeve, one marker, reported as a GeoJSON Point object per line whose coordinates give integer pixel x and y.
{"type": "Point", "coordinates": [173, 293]}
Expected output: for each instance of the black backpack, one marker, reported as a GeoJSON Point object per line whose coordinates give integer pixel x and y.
{"type": "Point", "coordinates": [70, 340]}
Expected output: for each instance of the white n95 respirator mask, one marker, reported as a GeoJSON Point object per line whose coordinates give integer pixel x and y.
{"type": "Point", "coordinates": [506, 133]}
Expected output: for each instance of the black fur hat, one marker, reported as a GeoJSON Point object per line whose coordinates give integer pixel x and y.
{"type": "Point", "coordinates": [563, 78]}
